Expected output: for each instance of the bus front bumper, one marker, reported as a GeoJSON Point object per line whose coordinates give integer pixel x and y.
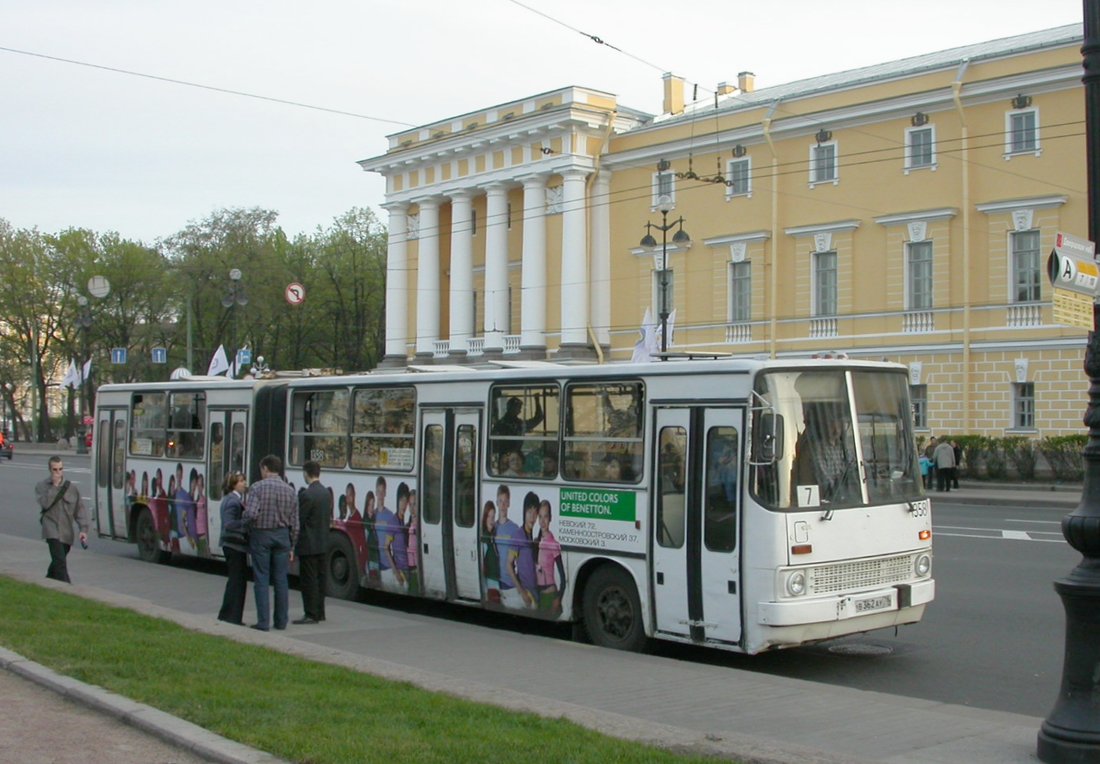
{"type": "Point", "coordinates": [795, 612]}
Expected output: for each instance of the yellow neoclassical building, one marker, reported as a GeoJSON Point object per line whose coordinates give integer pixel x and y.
{"type": "Point", "coordinates": [903, 211]}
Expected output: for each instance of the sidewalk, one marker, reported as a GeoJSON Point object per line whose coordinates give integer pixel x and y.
{"type": "Point", "coordinates": [741, 715]}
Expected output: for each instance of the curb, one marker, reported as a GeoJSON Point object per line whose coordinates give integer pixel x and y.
{"type": "Point", "coordinates": [178, 732]}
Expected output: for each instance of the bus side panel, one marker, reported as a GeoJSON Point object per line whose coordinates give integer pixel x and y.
{"type": "Point", "coordinates": [269, 427]}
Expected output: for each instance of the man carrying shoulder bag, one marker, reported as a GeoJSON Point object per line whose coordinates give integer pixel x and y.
{"type": "Point", "coordinates": [61, 506]}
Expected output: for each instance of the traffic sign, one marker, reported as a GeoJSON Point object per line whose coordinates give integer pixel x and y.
{"type": "Point", "coordinates": [295, 293]}
{"type": "Point", "coordinates": [160, 355]}
{"type": "Point", "coordinates": [118, 356]}
{"type": "Point", "coordinates": [244, 357]}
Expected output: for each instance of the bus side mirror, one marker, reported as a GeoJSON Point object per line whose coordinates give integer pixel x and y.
{"type": "Point", "coordinates": [768, 437]}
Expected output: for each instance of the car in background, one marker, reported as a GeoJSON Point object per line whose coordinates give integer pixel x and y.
{"type": "Point", "coordinates": [7, 448]}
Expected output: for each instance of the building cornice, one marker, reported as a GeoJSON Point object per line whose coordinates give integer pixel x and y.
{"type": "Point", "coordinates": [1034, 203]}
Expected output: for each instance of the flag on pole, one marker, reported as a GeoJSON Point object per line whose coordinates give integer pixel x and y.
{"type": "Point", "coordinates": [219, 364]}
{"type": "Point", "coordinates": [86, 372]}
{"type": "Point", "coordinates": [646, 344]}
{"type": "Point", "coordinates": [72, 376]}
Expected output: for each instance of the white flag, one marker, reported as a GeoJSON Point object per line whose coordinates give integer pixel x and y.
{"type": "Point", "coordinates": [71, 378]}
{"type": "Point", "coordinates": [86, 372]}
{"type": "Point", "coordinates": [219, 364]}
{"type": "Point", "coordinates": [644, 347]}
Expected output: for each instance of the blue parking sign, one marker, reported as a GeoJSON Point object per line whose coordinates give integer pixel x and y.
{"type": "Point", "coordinates": [160, 355]}
{"type": "Point", "coordinates": [118, 356]}
{"type": "Point", "coordinates": [244, 357]}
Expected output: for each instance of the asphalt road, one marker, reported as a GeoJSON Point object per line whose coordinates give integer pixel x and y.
{"type": "Point", "coordinates": [992, 639]}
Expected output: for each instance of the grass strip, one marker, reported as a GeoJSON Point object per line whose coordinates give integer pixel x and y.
{"type": "Point", "coordinates": [294, 708]}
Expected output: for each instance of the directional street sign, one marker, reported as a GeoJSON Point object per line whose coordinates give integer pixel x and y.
{"type": "Point", "coordinates": [160, 355]}
{"type": "Point", "coordinates": [118, 356]}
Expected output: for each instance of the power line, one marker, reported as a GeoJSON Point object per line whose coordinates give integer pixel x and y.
{"type": "Point", "coordinates": [201, 86]}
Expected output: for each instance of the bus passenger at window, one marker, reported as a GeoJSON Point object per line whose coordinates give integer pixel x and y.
{"type": "Point", "coordinates": [512, 425]}
{"type": "Point", "coordinates": [511, 464]}
{"type": "Point", "coordinates": [825, 455]}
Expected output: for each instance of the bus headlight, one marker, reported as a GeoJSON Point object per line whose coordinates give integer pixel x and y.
{"type": "Point", "coordinates": [796, 583]}
{"type": "Point", "coordinates": [923, 565]}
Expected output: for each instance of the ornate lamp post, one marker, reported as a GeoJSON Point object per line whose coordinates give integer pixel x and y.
{"type": "Point", "coordinates": [9, 390]}
{"type": "Point", "coordinates": [680, 238]}
{"type": "Point", "coordinates": [84, 322]}
{"type": "Point", "coordinates": [1071, 733]}
{"type": "Point", "coordinates": [234, 297]}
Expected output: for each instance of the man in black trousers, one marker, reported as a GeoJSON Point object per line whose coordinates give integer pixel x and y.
{"type": "Point", "coordinates": [314, 519]}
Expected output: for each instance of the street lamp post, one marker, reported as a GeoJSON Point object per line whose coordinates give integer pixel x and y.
{"type": "Point", "coordinates": [9, 411]}
{"type": "Point", "coordinates": [234, 297]}
{"type": "Point", "coordinates": [84, 321]}
{"type": "Point", "coordinates": [680, 238]}
{"type": "Point", "coordinates": [1071, 733]}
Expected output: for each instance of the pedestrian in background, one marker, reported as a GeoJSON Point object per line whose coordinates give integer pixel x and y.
{"type": "Point", "coordinates": [314, 518]}
{"type": "Point", "coordinates": [234, 543]}
{"type": "Point", "coordinates": [61, 508]}
{"type": "Point", "coordinates": [271, 513]}
{"type": "Point", "coordinates": [929, 451]}
{"type": "Point", "coordinates": [944, 459]}
{"type": "Point", "coordinates": [958, 463]}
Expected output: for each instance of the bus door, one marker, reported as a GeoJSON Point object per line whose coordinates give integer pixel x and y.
{"type": "Point", "coordinates": [225, 453]}
{"type": "Point", "coordinates": [449, 562]}
{"type": "Point", "coordinates": [696, 496]}
{"type": "Point", "coordinates": [111, 502]}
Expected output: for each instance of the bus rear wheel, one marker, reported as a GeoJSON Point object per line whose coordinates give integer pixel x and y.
{"type": "Point", "coordinates": [612, 610]}
{"type": "Point", "coordinates": [342, 579]}
{"type": "Point", "coordinates": [148, 541]}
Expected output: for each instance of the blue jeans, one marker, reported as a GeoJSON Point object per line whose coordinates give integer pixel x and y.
{"type": "Point", "coordinates": [270, 550]}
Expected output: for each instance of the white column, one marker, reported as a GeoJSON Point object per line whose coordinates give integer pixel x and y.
{"type": "Point", "coordinates": [533, 266]}
{"type": "Point", "coordinates": [427, 279]}
{"type": "Point", "coordinates": [496, 267]}
{"type": "Point", "coordinates": [601, 257]}
{"type": "Point", "coordinates": [574, 261]}
{"type": "Point", "coordinates": [397, 267]}
{"type": "Point", "coordinates": [462, 272]}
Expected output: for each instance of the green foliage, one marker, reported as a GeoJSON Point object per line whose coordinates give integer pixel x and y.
{"type": "Point", "coordinates": [296, 709]}
{"type": "Point", "coordinates": [1022, 454]}
{"type": "Point", "coordinates": [170, 294]}
{"type": "Point", "coordinates": [1063, 453]}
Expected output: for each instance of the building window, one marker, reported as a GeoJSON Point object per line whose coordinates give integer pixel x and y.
{"type": "Point", "coordinates": [740, 308]}
{"type": "Point", "coordinates": [823, 163]}
{"type": "Point", "coordinates": [919, 275]}
{"type": "Point", "coordinates": [1023, 406]}
{"type": "Point", "coordinates": [664, 184]}
{"type": "Point", "coordinates": [1022, 132]}
{"type": "Point", "coordinates": [739, 178]}
{"type": "Point", "coordinates": [920, 148]}
{"type": "Point", "coordinates": [918, 397]}
{"type": "Point", "coordinates": [825, 284]}
{"type": "Point", "coordinates": [1026, 267]}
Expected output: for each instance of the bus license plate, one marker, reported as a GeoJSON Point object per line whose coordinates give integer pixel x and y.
{"type": "Point", "coordinates": [871, 604]}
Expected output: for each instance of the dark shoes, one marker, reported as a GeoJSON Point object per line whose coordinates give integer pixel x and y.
{"type": "Point", "coordinates": [305, 621]}
{"type": "Point", "coordinates": [258, 627]}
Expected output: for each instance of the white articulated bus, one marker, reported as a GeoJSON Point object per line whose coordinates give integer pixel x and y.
{"type": "Point", "coordinates": [741, 504]}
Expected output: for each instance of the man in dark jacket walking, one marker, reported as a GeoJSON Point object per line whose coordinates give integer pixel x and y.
{"type": "Point", "coordinates": [314, 518]}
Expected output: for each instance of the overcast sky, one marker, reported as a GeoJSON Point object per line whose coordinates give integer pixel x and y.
{"type": "Point", "coordinates": [87, 147]}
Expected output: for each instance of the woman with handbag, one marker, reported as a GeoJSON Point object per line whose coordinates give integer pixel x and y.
{"type": "Point", "coordinates": [234, 543]}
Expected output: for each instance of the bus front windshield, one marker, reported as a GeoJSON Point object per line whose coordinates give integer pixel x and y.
{"type": "Point", "coordinates": [833, 438]}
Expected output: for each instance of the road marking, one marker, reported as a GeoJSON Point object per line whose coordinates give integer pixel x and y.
{"type": "Point", "coordinates": [998, 533]}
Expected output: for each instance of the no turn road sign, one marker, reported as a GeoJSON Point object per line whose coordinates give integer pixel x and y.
{"type": "Point", "coordinates": [295, 293]}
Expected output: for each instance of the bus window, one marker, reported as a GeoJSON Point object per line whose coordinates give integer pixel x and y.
{"type": "Point", "coordinates": [719, 525]}
{"type": "Point", "coordinates": [236, 447]}
{"type": "Point", "coordinates": [148, 423]}
{"type": "Point", "coordinates": [889, 455]}
{"type": "Point", "coordinates": [319, 427]}
{"type": "Point", "coordinates": [431, 503]}
{"type": "Point", "coordinates": [466, 476]}
{"type": "Point", "coordinates": [118, 464]}
{"type": "Point", "coordinates": [603, 432]}
{"type": "Point", "coordinates": [523, 438]}
{"type": "Point", "coordinates": [383, 424]}
{"type": "Point", "coordinates": [185, 430]}
{"type": "Point", "coordinates": [216, 469]}
{"type": "Point", "coordinates": [672, 446]}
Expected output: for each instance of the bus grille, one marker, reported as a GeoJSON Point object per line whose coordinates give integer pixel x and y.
{"type": "Point", "coordinates": [862, 574]}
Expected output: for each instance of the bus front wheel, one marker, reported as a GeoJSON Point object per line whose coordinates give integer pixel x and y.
{"type": "Point", "coordinates": [148, 541]}
{"type": "Point", "coordinates": [612, 610]}
{"type": "Point", "coordinates": [342, 579]}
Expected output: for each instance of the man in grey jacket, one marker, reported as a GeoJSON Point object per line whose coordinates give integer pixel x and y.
{"type": "Point", "coordinates": [61, 506]}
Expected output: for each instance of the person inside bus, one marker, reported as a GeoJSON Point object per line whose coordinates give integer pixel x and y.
{"type": "Point", "coordinates": [825, 455]}
{"type": "Point", "coordinates": [511, 427]}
